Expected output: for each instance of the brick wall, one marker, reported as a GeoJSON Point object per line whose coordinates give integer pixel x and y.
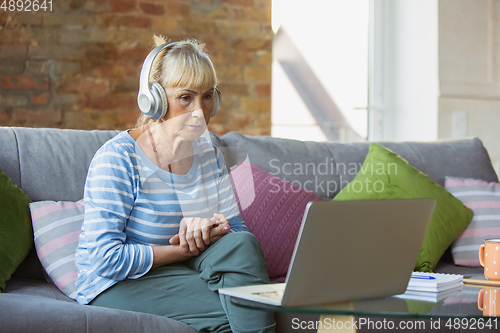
{"type": "Point", "coordinates": [78, 65]}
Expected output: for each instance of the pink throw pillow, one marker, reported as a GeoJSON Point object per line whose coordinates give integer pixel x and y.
{"type": "Point", "coordinates": [56, 228]}
{"type": "Point", "coordinates": [272, 209]}
{"type": "Point", "coordinates": [484, 200]}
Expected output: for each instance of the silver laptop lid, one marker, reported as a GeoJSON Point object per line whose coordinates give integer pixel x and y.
{"type": "Point", "coordinates": [348, 250]}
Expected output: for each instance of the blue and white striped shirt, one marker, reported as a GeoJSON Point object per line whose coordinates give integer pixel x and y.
{"type": "Point", "coordinates": [132, 205]}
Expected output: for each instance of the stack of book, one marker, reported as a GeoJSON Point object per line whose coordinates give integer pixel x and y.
{"type": "Point", "coordinates": [432, 287]}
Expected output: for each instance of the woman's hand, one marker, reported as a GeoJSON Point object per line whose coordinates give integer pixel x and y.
{"type": "Point", "coordinates": [221, 227]}
{"type": "Point", "coordinates": [196, 233]}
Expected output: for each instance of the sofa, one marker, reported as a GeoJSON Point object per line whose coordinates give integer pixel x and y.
{"type": "Point", "coordinates": [51, 164]}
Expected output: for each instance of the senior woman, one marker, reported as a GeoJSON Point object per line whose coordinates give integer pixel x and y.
{"type": "Point", "coordinates": [162, 230]}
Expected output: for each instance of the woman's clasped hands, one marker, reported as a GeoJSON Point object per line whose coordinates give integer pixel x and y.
{"type": "Point", "coordinates": [196, 233]}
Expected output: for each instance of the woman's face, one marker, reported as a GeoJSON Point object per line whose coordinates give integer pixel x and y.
{"type": "Point", "coordinates": [188, 111]}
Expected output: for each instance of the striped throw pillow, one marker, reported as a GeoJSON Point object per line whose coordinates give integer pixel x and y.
{"type": "Point", "coordinates": [484, 200]}
{"type": "Point", "coordinates": [56, 227]}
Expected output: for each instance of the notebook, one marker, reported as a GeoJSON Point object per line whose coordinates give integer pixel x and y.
{"type": "Point", "coordinates": [432, 287]}
{"type": "Point", "coordinates": [349, 250]}
{"type": "Point", "coordinates": [433, 297]}
{"type": "Point", "coordinates": [434, 282]}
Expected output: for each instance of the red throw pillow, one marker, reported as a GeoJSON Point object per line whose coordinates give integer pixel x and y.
{"type": "Point", "coordinates": [272, 209]}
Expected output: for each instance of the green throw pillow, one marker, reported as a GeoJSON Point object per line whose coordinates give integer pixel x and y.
{"type": "Point", "coordinates": [386, 175]}
{"type": "Point", "coordinates": [16, 232]}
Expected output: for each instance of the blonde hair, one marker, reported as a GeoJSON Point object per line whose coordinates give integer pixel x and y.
{"type": "Point", "coordinates": [184, 63]}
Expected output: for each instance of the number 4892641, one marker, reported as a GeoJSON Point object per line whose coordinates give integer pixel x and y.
{"type": "Point", "coordinates": [26, 5]}
{"type": "Point", "coordinates": [472, 323]}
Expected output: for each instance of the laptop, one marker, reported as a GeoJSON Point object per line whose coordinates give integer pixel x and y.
{"type": "Point", "coordinates": [349, 250]}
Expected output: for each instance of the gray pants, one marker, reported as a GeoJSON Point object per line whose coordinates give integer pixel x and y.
{"type": "Point", "coordinates": [187, 291]}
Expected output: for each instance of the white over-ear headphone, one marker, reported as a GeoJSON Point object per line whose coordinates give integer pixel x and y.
{"type": "Point", "coordinates": [152, 99]}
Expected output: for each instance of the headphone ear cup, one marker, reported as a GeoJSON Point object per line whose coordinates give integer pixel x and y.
{"type": "Point", "coordinates": [160, 101]}
{"type": "Point", "coordinates": [217, 99]}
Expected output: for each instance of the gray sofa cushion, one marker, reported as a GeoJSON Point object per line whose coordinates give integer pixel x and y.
{"type": "Point", "coordinates": [49, 164]}
{"type": "Point", "coordinates": [29, 303]}
{"type": "Point", "coordinates": [28, 313]}
{"type": "Point", "coordinates": [332, 166]}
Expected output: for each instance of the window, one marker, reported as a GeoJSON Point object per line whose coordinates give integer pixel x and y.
{"type": "Point", "coordinates": [320, 70]}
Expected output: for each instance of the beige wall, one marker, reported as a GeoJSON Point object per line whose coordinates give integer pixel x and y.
{"type": "Point", "coordinates": [469, 72]}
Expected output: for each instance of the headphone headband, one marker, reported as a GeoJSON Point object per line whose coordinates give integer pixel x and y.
{"type": "Point", "coordinates": [152, 99]}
